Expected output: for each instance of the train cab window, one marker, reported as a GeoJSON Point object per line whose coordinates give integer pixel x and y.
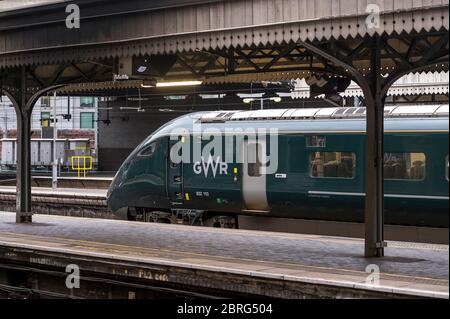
{"type": "Point", "coordinates": [333, 165]}
{"type": "Point", "coordinates": [149, 150]}
{"type": "Point", "coordinates": [404, 166]}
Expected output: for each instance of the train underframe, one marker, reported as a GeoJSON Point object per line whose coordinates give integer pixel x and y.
{"type": "Point", "coordinates": [192, 217]}
{"type": "Point", "coordinates": [198, 217]}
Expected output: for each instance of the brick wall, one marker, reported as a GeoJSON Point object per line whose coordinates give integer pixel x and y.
{"type": "Point", "coordinates": [76, 134]}
{"type": "Point", "coordinates": [72, 134]}
{"type": "Point", "coordinates": [34, 134]}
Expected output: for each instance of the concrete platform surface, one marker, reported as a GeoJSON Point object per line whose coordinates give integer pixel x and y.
{"type": "Point", "coordinates": [76, 178]}
{"type": "Point", "coordinates": [420, 270]}
{"type": "Point", "coordinates": [91, 202]}
{"type": "Point", "coordinates": [74, 192]}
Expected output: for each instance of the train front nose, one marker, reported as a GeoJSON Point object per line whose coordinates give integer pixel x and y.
{"type": "Point", "coordinates": [114, 198]}
{"type": "Point", "coordinates": [114, 185]}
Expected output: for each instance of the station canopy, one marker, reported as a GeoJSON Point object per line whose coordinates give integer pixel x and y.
{"type": "Point", "coordinates": [12, 5]}
{"type": "Point", "coordinates": [218, 41]}
{"type": "Point", "coordinates": [423, 83]}
{"type": "Point", "coordinates": [372, 42]}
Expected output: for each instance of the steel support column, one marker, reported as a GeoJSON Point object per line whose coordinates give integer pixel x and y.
{"type": "Point", "coordinates": [374, 175]}
{"type": "Point", "coordinates": [18, 98]}
{"type": "Point", "coordinates": [374, 97]}
{"type": "Point", "coordinates": [23, 101]}
{"type": "Point", "coordinates": [23, 168]}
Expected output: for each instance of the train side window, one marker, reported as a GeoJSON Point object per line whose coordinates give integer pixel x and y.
{"type": "Point", "coordinates": [254, 169]}
{"type": "Point", "coordinates": [333, 165]}
{"type": "Point", "coordinates": [405, 166]}
{"type": "Point", "coordinates": [148, 150]}
{"type": "Point", "coordinates": [254, 160]}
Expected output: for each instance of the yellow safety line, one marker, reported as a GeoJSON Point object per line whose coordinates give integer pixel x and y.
{"type": "Point", "coordinates": [228, 257]}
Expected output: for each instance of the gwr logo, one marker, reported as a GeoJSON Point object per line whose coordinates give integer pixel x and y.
{"type": "Point", "coordinates": [215, 167]}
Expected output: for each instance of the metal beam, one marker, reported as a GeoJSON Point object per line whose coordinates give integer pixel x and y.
{"type": "Point", "coordinates": [23, 103]}
{"type": "Point", "coordinates": [24, 214]}
{"type": "Point", "coordinates": [374, 174]}
{"type": "Point", "coordinates": [247, 59]}
{"type": "Point", "coordinates": [281, 54]}
{"type": "Point", "coordinates": [371, 87]}
{"type": "Point", "coordinates": [186, 65]}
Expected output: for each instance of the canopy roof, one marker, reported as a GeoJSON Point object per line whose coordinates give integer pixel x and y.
{"type": "Point", "coordinates": [138, 27]}
{"type": "Point", "coordinates": [422, 83]}
{"type": "Point", "coordinates": [12, 5]}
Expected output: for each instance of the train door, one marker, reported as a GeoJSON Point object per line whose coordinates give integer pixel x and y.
{"type": "Point", "coordinates": [254, 186]}
{"type": "Point", "coordinates": [174, 177]}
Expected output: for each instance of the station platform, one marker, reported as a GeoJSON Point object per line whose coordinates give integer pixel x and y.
{"type": "Point", "coordinates": [61, 192]}
{"type": "Point", "coordinates": [59, 196]}
{"type": "Point", "coordinates": [240, 262]}
{"type": "Point", "coordinates": [85, 202]}
{"type": "Point", "coordinates": [81, 202]}
{"type": "Point", "coordinates": [92, 182]}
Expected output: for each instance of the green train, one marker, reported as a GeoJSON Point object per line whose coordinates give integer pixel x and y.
{"type": "Point", "coordinates": [207, 168]}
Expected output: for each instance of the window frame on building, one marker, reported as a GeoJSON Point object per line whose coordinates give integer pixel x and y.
{"type": "Point", "coordinates": [45, 101]}
{"type": "Point", "coordinates": [91, 126]}
{"type": "Point", "coordinates": [91, 104]}
{"type": "Point", "coordinates": [47, 119]}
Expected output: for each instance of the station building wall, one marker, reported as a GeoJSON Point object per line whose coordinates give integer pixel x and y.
{"type": "Point", "coordinates": [82, 124]}
{"type": "Point", "coordinates": [126, 131]}
{"type": "Point", "coordinates": [128, 128]}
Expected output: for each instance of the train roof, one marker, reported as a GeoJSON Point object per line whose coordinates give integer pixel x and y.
{"type": "Point", "coordinates": [401, 111]}
{"type": "Point", "coordinates": [426, 118]}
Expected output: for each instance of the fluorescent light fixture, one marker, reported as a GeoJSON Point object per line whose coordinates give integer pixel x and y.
{"type": "Point", "coordinates": [175, 97]}
{"type": "Point", "coordinates": [139, 109]}
{"type": "Point", "coordinates": [212, 96]}
{"type": "Point", "coordinates": [137, 99]}
{"type": "Point", "coordinates": [250, 95]}
{"type": "Point", "coordinates": [181, 83]}
{"type": "Point", "coordinates": [146, 84]}
{"type": "Point", "coordinates": [276, 99]}
{"type": "Point", "coordinates": [142, 69]}
{"type": "Point", "coordinates": [249, 100]}
{"type": "Point", "coordinates": [286, 94]}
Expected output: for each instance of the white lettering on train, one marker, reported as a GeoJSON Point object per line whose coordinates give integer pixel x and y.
{"type": "Point", "coordinates": [216, 166]}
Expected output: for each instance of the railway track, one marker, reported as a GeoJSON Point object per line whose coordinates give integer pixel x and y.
{"type": "Point", "coordinates": [99, 181]}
